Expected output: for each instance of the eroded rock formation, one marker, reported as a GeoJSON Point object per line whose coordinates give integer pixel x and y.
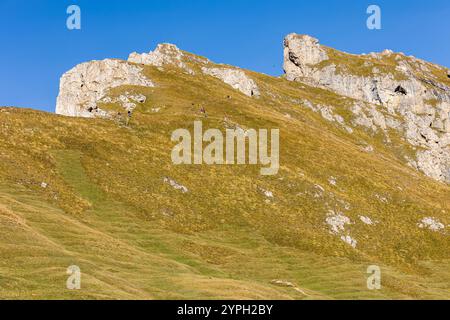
{"type": "Point", "coordinates": [395, 92]}
{"type": "Point", "coordinates": [88, 83]}
{"type": "Point", "coordinates": [235, 78]}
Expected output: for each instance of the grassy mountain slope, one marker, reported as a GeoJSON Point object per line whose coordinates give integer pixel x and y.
{"type": "Point", "coordinates": [106, 208]}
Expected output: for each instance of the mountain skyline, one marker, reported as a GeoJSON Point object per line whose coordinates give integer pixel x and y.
{"type": "Point", "coordinates": [236, 33]}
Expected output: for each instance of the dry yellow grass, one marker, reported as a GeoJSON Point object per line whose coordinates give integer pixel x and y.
{"type": "Point", "coordinates": [107, 209]}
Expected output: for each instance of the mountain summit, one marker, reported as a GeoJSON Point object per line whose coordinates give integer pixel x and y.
{"type": "Point", "coordinates": [387, 93]}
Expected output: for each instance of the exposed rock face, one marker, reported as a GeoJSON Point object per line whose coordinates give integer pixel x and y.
{"type": "Point", "coordinates": [300, 52]}
{"type": "Point", "coordinates": [169, 55]}
{"type": "Point", "coordinates": [235, 78]}
{"type": "Point", "coordinates": [392, 91]}
{"type": "Point", "coordinates": [164, 54]}
{"type": "Point", "coordinates": [408, 96]}
{"type": "Point", "coordinates": [87, 84]}
{"type": "Point", "coordinates": [303, 56]}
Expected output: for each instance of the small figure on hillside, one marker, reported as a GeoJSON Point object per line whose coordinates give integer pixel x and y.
{"type": "Point", "coordinates": [203, 111]}
{"type": "Point", "coordinates": [129, 117]}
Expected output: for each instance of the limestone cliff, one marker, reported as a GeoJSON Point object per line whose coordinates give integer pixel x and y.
{"type": "Point", "coordinates": [415, 94]}
{"type": "Point", "coordinates": [85, 85]}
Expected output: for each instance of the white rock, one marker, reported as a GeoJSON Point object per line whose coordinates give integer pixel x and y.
{"type": "Point", "coordinates": [431, 224]}
{"type": "Point", "coordinates": [421, 125]}
{"type": "Point", "coordinates": [176, 185]}
{"type": "Point", "coordinates": [164, 54]}
{"type": "Point", "coordinates": [381, 198]}
{"type": "Point", "coordinates": [328, 114]}
{"type": "Point", "coordinates": [283, 283]}
{"type": "Point", "coordinates": [366, 220]}
{"type": "Point", "coordinates": [332, 181]}
{"type": "Point", "coordinates": [87, 84]}
{"type": "Point", "coordinates": [349, 240]}
{"type": "Point", "coordinates": [236, 78]}
{"type": "Point", "coordinates": [266, 193]}
{"type": "Point", "coordinates": [337, 222]}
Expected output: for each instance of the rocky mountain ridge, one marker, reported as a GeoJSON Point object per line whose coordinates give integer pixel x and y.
{"type": "Point", "coordinates": [387, 93]}
{"type": "Point", "coordinates": [413, 94]}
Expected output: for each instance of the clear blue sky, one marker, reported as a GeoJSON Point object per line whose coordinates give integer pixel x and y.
{"type": "Point", "coordinates": [37, 48]}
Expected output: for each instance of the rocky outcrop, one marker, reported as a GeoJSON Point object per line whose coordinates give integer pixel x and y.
{"type": "Point", "coordinates": [83, 87]}
{"type": "Point", "coordinates": [304, 61]}
{"type": "Point", "coordinates": [236, 78]}
{"type": "Point", "coordinates": [164, 54]}
{"type": "Point", "coordinates": [169, 55]}
{"type": "Point", "coordinates": [406, 95]}
{"type": "Point", "coordinates": [300, 54]}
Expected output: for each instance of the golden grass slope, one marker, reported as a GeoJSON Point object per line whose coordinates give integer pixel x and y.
{"type": "Point", "coordinates": [107, 209]}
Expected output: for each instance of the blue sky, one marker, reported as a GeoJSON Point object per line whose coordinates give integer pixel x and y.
{"type": "Point", "coordinates": [37, 48]}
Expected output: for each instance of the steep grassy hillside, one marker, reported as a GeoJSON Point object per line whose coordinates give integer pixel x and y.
{"type": "Point", "coordinates": [91, 192]}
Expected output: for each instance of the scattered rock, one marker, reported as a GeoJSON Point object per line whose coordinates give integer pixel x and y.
{"type": "Point", "coordinates": [349, 240]}
{"type": "Point", "coordinates": [320, 191]}
{"type": "Point", "coordinates": [381, 198]}
{"type": "Point", "coordinates": [287, 284]}
{"type": "Point", "coordinates": [332, 181]}
{"type": "Point", "coordinates": [337, 222]}
{"type": "Point", "coordinates": [266, 193]}
{"type": "Point", "coordinates": [44, 185]}
{"type": "Point", "coordinates": [431, 224]}
{"type": "Point", "coordinates": [366, 220]}
{"type": "Point", "coordinates": [127, 101]}
{"type": "Point", "coordinates": [168, 213]}
{"type": "Point", "coordinates": [328, 114]}
{"type": "Point", "coordinates": [176, 185]}
{"type": "Point", "coordinates": [368, 149]}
